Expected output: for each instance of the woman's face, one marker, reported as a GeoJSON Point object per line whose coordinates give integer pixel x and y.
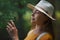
{"type": "Point", "coordinates": [38, 17]}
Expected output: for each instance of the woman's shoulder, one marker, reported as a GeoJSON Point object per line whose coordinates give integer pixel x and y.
{"type": "Point", "coordinates": [47, 35]}
{"type": "Point", "coordinates": [44, 36]}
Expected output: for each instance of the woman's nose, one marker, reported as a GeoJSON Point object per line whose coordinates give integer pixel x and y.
{"type": "Point", "coordinates": [33, 15]}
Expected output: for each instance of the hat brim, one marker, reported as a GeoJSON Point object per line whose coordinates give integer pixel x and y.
{"type": "Point", "coordinates": [41, 10]}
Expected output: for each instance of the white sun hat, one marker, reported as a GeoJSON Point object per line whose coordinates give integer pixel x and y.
{"type": "Point", "coordinates": [45, 7]}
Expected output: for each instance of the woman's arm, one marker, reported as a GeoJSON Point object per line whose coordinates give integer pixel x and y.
{"type": "Point", "coordinates": [12, 30]}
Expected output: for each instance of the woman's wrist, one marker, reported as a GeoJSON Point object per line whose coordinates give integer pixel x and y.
{"type": "Point", "coordinates": [15, 38]}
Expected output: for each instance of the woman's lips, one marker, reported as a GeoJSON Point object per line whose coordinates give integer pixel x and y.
{"type": "Point", "coordinates": [33, 18]}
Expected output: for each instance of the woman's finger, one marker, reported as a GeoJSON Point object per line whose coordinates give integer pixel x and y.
{"type": "Point", "coordinates": [12, 23]}
{"type": "Point", "coordinates": [9, 29]}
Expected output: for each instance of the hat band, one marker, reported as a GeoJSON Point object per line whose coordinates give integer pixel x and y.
{"type": "Point", "coordinates": [44, 10]}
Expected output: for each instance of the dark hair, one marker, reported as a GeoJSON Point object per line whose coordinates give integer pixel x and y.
{"type": "Point", "coordinates": [49, 27]}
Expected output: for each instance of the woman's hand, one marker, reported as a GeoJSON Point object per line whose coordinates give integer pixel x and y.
{"type": "Point", "coordinates": [12, 30]}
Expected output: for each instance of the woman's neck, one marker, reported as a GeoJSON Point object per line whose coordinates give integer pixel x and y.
{"type": "Point", "coordinates": [40, 28]}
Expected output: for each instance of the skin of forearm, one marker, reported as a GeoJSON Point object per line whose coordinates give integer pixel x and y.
{"type": "Point", "coordinates": [15, 38]}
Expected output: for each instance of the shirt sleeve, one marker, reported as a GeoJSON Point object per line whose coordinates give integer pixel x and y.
{"type": "Point", "coordinates": [46, 37]}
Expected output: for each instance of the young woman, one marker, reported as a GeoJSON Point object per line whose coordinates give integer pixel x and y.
{"type": "Point", "coordinates": [41, 23]}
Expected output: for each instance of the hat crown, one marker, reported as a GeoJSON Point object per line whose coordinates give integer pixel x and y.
{"type": "Point", "coordinates": [48, 7]}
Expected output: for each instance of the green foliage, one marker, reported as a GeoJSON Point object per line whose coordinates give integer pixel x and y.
{"type": "Point", "coordinates": [8, 11]}
{"type": "Point", "coordinates": [16, 10]}
{"type": "Point", "coordinates": [27, 18]}
{"type": "Point", "coordinates": [58, 15]}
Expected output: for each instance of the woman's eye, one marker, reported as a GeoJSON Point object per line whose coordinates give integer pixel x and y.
{"type": "Point", "coordinates": [37, 11]}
